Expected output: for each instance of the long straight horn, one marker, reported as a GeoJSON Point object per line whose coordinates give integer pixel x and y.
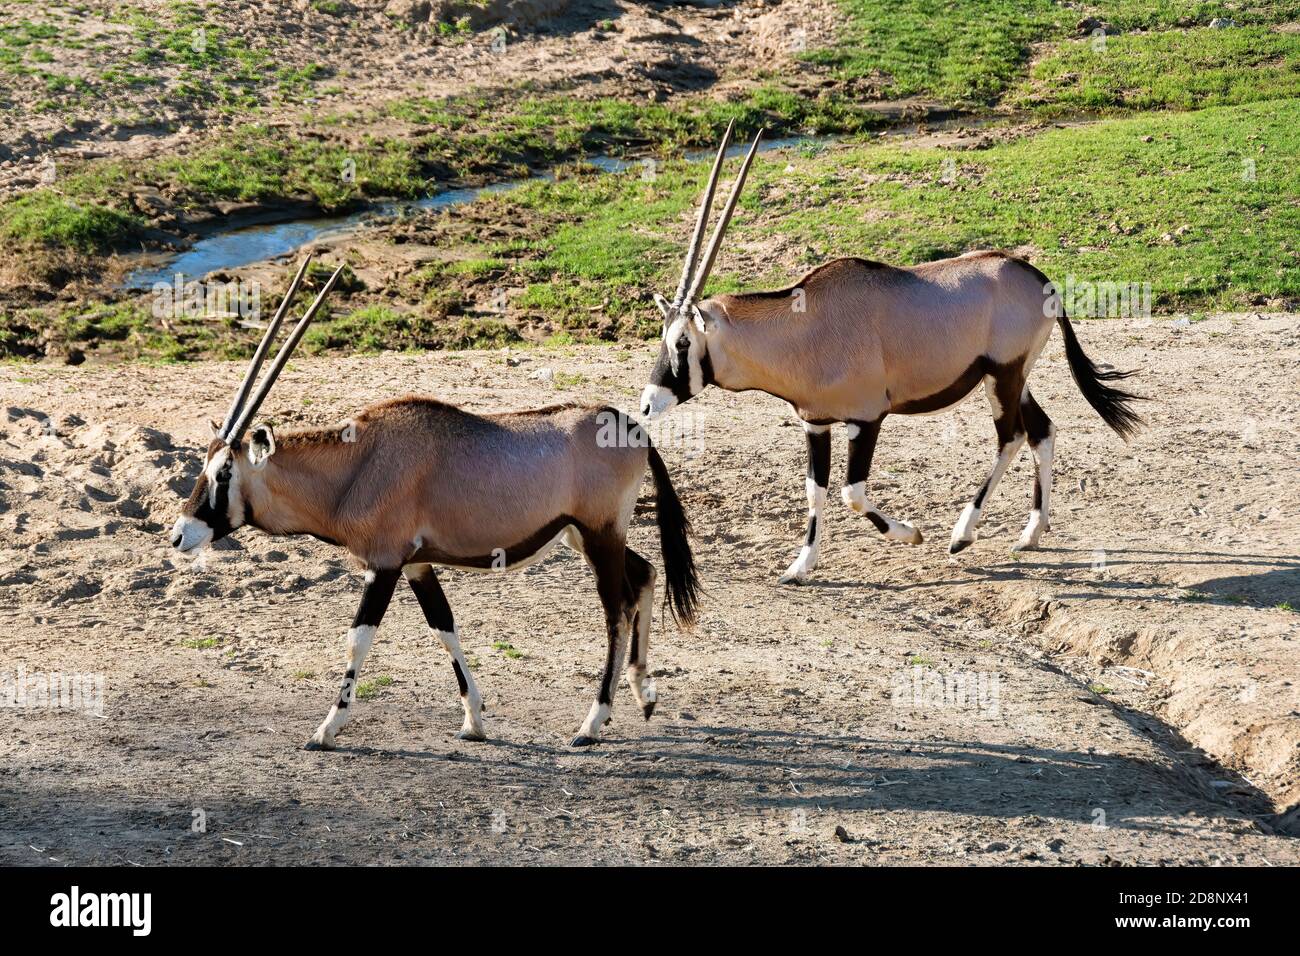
{"type": "Point", "coordinates": [263, 347]}
{"type": "Point", "coordinates": [281, 359]}
{"type": "Point", "coordinates": [693, 250]}
{"type": "Point", "coordinates": [706, 266]}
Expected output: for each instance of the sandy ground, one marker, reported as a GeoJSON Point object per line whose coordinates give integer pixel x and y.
{"type": "Point", "coordinates": [1135, 682]}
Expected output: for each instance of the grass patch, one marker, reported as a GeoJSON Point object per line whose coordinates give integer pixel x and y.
{"type": "Point", "coordinates": [1181, 69]}
{"type": "Point", "coordinates": [508, 649]}
{"type": "Point", "coordinates": [971, 52]}
{"type": "Point", "coordinates": [51, 219]}
{"type": "Point", "coordinates": [369, 688]}
{"type": "Point", "coordinates": [959, 51]}
{"type": "Point", "coordinates": [201, 643]}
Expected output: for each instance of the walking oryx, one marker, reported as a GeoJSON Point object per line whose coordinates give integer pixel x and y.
{"type": "Point", "coordinates": [416, 482]}
{"type": "Point", "coordinates": [854, 341]}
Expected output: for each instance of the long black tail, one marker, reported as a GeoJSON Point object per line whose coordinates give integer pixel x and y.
{"type": "Point", "coordinates": [683, 584]}
{"type": "Point", "coordinates": [1112, 404]}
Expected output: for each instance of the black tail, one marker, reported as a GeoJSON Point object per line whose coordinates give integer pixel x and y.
{"type": "Point", "coordinates": [1112, 404]}
{"type": "Point", "coordinates": [683, 584]}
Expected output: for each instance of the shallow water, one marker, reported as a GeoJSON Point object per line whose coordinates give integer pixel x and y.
{"type": "Point", "coordinates": [232, 248]}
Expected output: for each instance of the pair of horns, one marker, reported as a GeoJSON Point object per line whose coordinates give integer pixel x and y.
{"type": "Point", "coordinates": [693, 279]}
{"type": "Point", "coordinates": [243, 409]}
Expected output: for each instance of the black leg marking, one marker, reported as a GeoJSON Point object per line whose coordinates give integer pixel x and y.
{"type": "Point", "coordinates": [375, 598]}
{"type": "Point", "coordinates": [819, 456]}
{"type": "Point", "coordinates": [437, 614]}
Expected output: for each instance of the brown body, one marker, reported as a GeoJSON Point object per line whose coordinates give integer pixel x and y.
{"type": "Point", "coordinates": [418, 480]}
{"type": "Point", "coordinates": [873, 339]}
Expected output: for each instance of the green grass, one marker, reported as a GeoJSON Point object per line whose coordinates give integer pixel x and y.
{"type": "Point", "coordinates": [1188, 69]}
{"type": "Point", "coordinates": [369, 688]}
{"type": "Point", "coordinates": [201, 643]}
{"type": "Point", "coordinates": [44, 216]}
{"type": "Point", "coordinates": [960, 51]}
{"type": "Point", "coordinates": [508, 649]}
{"type": "Point", "coordinates": [971, 52]}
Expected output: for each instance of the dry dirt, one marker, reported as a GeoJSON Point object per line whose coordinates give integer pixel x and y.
{"type": "Point", "coordinates": [368, 54]}
{"type": "Point", "coordinates": [1138, 705]}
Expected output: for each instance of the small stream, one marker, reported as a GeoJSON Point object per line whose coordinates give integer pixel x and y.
{"type": "Point", "coordinates": [232, 248]}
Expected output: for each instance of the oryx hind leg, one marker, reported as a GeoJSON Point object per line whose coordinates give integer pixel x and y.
{"type": "Point", "coordinates": [607, 554]}
{"type": "Point", "coordinates": [1042, 439]}
{"type": "Point", "coordinates": [1004, 388]}
{"type": "Point", "coordinates": [819, 477]}
{"type": "Point", "coordinates": [862, 445]}
{"type": "Point", "coordinates": [641, 586]}
{"type": "Point", "coordinates": [374, 602]}
{"type": "Point", "coordinates": [437, 613]}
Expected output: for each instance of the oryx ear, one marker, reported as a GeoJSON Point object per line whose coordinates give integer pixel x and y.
{"type": "Point", "coordinates": [706, 322]}
{"type": "Point", "coordinates": [261, 445]}
{"type": "Point", "coordinates": [215, 427]}
{"type": "Point", "coordinates": [665, 306]}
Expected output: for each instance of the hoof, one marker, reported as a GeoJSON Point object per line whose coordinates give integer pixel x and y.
{"type": "Point", "coordinates": [582, 740]}
{"type": "Point", "coordinates": [958, 546]}
{"type": "Point", "coordinates": [1024, 546]}
{"type": "Point", "coordinates": [795, 579]}
{"type": "Point", "coordinates": [648, 709]}
{"type": "Point", "coordinates": [471, 735]}
{"type": "Point", "coordinates": [315, 744]}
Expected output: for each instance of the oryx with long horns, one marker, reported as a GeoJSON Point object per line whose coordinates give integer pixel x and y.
{"type": "Point", "coordinates": [415, 482]}
{"type": "Point", "coordinates": [854, 341]}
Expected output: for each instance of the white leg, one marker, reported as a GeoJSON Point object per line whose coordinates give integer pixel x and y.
{"type": "Point", "coordinates": [1040, 517]}
{"type": "Point", "coordinates": [855, 496]}
{"type": "Point", "coordinates": [963, 533]}
{"type": "Point", "coordinates": [470, 699]}
{"type": "Point", "coordinates": [819, 468]}
{"type": "Point", "coordinates": [643, 686]}
{"type": "Point", "coordinates": [358, 646]}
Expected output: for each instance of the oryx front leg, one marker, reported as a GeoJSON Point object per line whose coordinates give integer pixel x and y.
{"type": "Point", "coordinates": [1004, 397]}
{"type": "Point", "coordinates": [819, 477]}
{"type": "Point", "coordinates": [1042, 439]}
{"type": "Point", "coordinates": [374, 602]}
{"type": "Point", "coordinates": [862, 445]}
{"type": "Point", "coordinates": [437, 613]}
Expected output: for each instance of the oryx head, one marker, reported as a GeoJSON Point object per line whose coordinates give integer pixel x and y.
{"type": "Point", "coordinates": [683, 368]}
{"type": "Point", "coordinates": [217, 506]}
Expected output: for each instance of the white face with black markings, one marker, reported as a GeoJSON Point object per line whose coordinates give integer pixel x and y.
{"type": "Point", "coordinates": [216, 507]}
{"type": "Point", "coordinates": [683, 369]}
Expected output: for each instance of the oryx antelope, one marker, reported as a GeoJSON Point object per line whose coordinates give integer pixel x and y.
{"type": "Point", "coordinates": [415, 482]}
{"type": "Point", "coordinates": [854, 341]}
